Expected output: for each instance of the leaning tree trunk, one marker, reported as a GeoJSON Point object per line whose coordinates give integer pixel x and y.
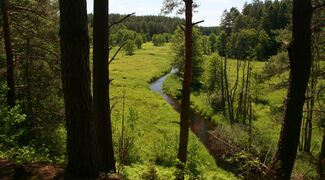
{"type": "Point", "coordinates": [300, 64]}
{"type": "Point", "coordinates": [185, 106]}
{"type": "Point", "coordinates": [76, 88]}
{"type": "Point", "coordinates": [104, 143]}
{"type": "Point", "coordinates": [11, 97]}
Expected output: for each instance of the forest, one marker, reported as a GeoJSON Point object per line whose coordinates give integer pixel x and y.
{"type": "Point", "coordinates": [103, 95]}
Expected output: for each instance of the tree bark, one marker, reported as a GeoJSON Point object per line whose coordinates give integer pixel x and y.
{"type": "Point", "coordinates": [300, 64]}
{"type": "Point", "coordinates": [76, 88]}
{"type": "Point", "coordinates": [104, 142]}
{"type": "Point", "coordinates": [11, 96]}
{"type": "Point", "coordinates": [185, 106]}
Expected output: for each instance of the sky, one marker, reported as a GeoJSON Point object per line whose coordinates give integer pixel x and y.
{"type": "Point", "coordinates": [209, 10]}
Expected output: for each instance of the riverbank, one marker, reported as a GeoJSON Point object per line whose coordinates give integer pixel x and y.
{"type": "Point", "coordinates": [267, 112]}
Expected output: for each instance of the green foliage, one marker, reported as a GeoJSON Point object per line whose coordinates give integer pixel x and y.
{"type": "Point", "coordinates": [128, 145]}
{"type": "Point", "coordinates": [222, 44]}
{"type": "Point", "coordinates": [120, 35]}
{"type": "Point", "coordinates": [151, 173]}
{"type": "Point", "coordinates": [129, 47]}
{"type": "Point", "coordinates": [159, 39]}
{"type": "Point", "coordinates": [276, 65]}
{"type": "Point", "coordinates": [147, 24]}
{"type": "Point", "coordinates": [13, 133]}
{"type": "Point", "coordinates": [206, 45]}
{"type": "Point", "coordinates": [165, 149]}
{"type": "Point", "coordinates": [243, 43]}
{"type": "Point", "coordinates": [194, 166]}
{"type": "Point", "coordinates": [139, 41]}
{"type": "Point", "coordinates": [212, 71]}
{"type": "Point", "coordinates": [248, 43]}
{"type": "Point", "coordinates": [37, 74]}
{"type": "Point", "coordinates": [261, 49]}
{"type": "Point", "coordinates": [197, 60]}
{"type": "Point", "coordinates": [213, 42]}
{"type": "Point", "coordinates": [265, 18]}
{"type": "Point", "coordinates": [11, 120]}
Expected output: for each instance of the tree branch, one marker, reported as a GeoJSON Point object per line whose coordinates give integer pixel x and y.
{"type": "Point", "coordinates": [182, 27]}
{"type": "Point", "coordinates": [112, 107]}
{"type": "Point", "coordinates": [196, 23]}
{"type": "Point", "coordinates": [118, 22]}
{"type": "Point", "coordinates": [119, 49]}
{"type": "Point", "coordinates": [19, 8]}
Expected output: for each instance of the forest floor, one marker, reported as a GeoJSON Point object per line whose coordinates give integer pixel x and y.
{"type": "Point", "coordinates": [11, 170]}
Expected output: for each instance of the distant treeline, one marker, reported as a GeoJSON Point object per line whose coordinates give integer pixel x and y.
{"type": "Point", "coordinates": [152, 24]}
{"type": "Point", "coordinates": [146, 24]}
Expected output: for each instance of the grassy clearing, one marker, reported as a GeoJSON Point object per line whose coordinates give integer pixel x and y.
{"type": "Point", "coordinates": [267, 109]}
{"type": "Point", "coordinates": [155, 133]}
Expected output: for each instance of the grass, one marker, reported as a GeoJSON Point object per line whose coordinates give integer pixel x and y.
{"type": "Point", "coordinates": [155, 133]}
{"type": "Point", "coordinates": [267, 110]}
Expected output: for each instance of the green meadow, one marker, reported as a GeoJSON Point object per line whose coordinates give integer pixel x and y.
{"type": "Point", "coordinates": [154, 136]}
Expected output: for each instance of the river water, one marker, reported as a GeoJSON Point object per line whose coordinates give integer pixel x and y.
{"type": "Point", "coordinates": [199, 126]}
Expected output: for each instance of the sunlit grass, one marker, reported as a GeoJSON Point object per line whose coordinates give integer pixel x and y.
{"type": "Point", "coordinates": [156, 123]}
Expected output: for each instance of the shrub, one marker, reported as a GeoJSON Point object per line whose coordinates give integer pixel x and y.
{"type": "Point", "coordinates": [165, 149]}
{"type": "Point", "coordinates": [129, 47]}
{"type": "Point", "coordinates": [151, 173]}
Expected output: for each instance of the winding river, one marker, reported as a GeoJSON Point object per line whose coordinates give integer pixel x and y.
{"type": "Point", "coordinates": [199, 126]}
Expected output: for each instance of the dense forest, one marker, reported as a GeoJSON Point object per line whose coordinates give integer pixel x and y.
{"type": "Point", "coordinates": [114, 96]}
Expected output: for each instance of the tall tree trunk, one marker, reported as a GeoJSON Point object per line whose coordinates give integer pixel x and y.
{"type": "Point", "coordinates": [300, 64]}
{"type": "Point", "coordinates": [185, 106]}
{"type": "Point", "coordinates": [76, 88]}
{"type": "Point", "coordinates": [11, 96]}
{"type": "Point", "coordinates": [247, 92]}
{"type": "Point", "coordinates": [104, 142]}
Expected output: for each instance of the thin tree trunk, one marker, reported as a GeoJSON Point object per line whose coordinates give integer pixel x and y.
{"type": "Point", "coordinates": [300, 64]}
{"type": "Point", "coordinates": [76, 88]}
{"type": "Point", "coordinates": [223, 98]}
{"type": "Point", "coordinates": [104, 143]}
{"type": "Point", "coordinates": [310, 109]}
{"type": "Point", "coordinates": [185, 106]}
{"type": "Point", "coordinates": [240, 108]}
{"type": "Point", "coordinates": [233, 94]}
{"type": "Point", "coordinates": [227, 94]}
{"type": "Point", "coordinates": [247, 92]}
{"type": "Point", "coordinates": [28, 69]}
{"type": "Point", "coordinates": [321, 160]}
{"type": "Point", "coordinates": [11, 96]}
{"type": "Point", "coordinates": [122, 151]}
